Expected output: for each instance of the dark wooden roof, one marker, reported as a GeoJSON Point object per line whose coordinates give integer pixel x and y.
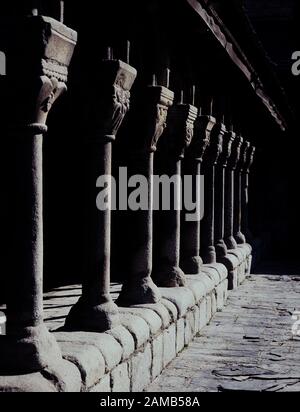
{"type": "Point", "coordinates": [230, 25]}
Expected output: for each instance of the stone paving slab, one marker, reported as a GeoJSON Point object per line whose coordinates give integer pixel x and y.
{"type": "Point", "coordinates": [247, 347]}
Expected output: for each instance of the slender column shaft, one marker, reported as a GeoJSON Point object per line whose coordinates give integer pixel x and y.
{"type": "Point", "coordinates": [207, 235]}
{"type": "Point", "coordinates": [167, 271]}
{"type": "Point", "coordinates": [245, 192]}
{"type": "Point", "coordinates": [208, 251]}
{"type": "Point", "coordinates": [179, 133]}
{"type": "Point", "coordinates": [25, 303]}
{"type": "Point", "coordinates": [139, 288]}
{"type": "Point", "coordinates": [221, 248]}
{"type": "Point", "coordinates": [244, 202]}
{"type": "Point", "coordinates": [239, 236]}
{"type": "Point", "coordinates": [28, 346]}
{"type": "Point", "coordinates": [220, 245]}
{"type": "Point", "coordinates": [95, 310]}
{"type": "Point", "coordinates": [191, 261]}
{"type": "Point", "coordinates": [229, 192]}
{"type": "Point", "coordinates": [96, 283]}
{"type": "Point", "coordinates": [229, 210]}
{"type": "Point", "coordinates": [237, 226]}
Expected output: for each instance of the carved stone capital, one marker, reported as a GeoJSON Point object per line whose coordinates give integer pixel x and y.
{"type": "Point", "coordinates": [109, 98]}
{"type": "Point", "coordinates": [202, 131]}
{"type": "Point", "coordinates": [244, 155]}
{"type": "Point", "coordinates": [43, 93]}
{"type": "Point", "coordinates": [37, 46]}
{"type": "Point", "coordinates": [228, 140]}
{"type": "Point", "coordinates": [157, 101]}
{"type": "Point", "coordinates": [38, 50]}
{"type": "Point", "coordinates": [250, 158]}
{"type": "Point", "coordinates": [235, 152]}
{"type": "Point", "coordinates": [215, 147]}
{"type": "Point", "coordinates": [180, 129]}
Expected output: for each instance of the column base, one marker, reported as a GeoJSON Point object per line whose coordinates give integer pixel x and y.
{"type": "Point", "coordinates": [247, 247]}
{"type": "Point", "coordinates": [169, 277]}
{"type": "Point", "coordinates": [221, 249]}
{"type": "Point", "coordinates": [231, 243]}
{"type": "Point", "coordinates": [241, 255]}
{"type": "Point", "coordinates": [62, 376]}
{"type": "Point", "coordinates": [137, 291]}
{"type": "Point", "coordinates": [192, 265]}
{"type": "Point", "coordinates": [248, 252]}
{"type": "Point", "coordinates": [209, 255]}
{"type": "Point", "coordinates": [98, 318]}
{"type": "Point", "coordinates": [34, 351]}
{"type": "Point", "coordinates": [231, 263]}
{"type": "Point", "coordinates": [240, 238]}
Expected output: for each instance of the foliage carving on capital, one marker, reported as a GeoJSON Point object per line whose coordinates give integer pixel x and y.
{"type": "Point", "coordinates": [215, 147]}
{"type": "Point", "coordinates": [49, 92]}
{"type": "Point", "coordinates": [244, 156]}
{"type": "Point", "coordinates": [160, 125]}
{"type": "Point", "coordinates": [39, 96]}
{"type": "Point", "coordinates": [202, 134]}
{"type": "Point", "coordinates": [110, 98]}
{"type": "Point", "coordinates": [116, 109]}
{"type": "Point", "coordinates": [250, 158]}
{"type": "Point", "coordinates": [235, 152]}
{"type": "Point", "coordinates": [180, 129]}
{"type": "Point", "coordinates": [228, 140]}
{"type": "Point", "coordinates": [158, 100]}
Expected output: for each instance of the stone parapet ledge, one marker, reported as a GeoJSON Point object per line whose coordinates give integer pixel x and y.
{"type": "Point", "coordinates": [235, 263]}
{"type": "Point", "coordinates": [246, 248]}
{"type": "Point", "coordinates": [131, 355]}
{"type": "Point", "coordinates": [238, 253]}
{"type": "Point", "coordinates": [65, 378]}
{"type": "Point", "coordinates": [244, 253]}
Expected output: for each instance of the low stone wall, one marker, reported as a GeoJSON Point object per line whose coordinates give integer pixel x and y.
{"type": "Point", "coordinates": [132, 355]}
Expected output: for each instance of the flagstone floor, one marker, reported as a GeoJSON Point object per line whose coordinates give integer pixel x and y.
{"type": "Point", "coordinates": [252, 345]}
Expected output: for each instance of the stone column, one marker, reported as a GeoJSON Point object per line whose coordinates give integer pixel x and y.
{"type": "Point", "coordinates": [207, 236]}
{"type": "Point", "coordinates": [244, 191]}
{"type": "Point", "coordinates": [176, 138]}
{"type": "Point", "coordinates": [191, 261]}
{"type": "Point", "coordinates": [237, 224]}
{"type": "Point", "coordinates": [229, 191]}
{"type": "Point", "coordinates": [38, 50]}
{"type": "Point", "coordinates": [108, 102]}
{"type": "Point", "coordinates": [139, 288]}
{"type": "Point", "coordinates": [221, 248]}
